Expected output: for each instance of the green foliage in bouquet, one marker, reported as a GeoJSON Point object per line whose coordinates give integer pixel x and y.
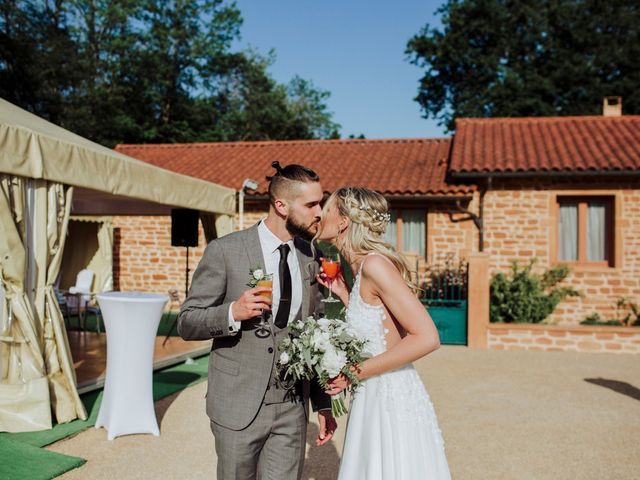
{"type": "Point", "coordinates": [527, 297]}
{"type": "Point", "coordinates": [322, 348]}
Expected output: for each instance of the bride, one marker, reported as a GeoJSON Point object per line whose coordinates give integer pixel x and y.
{"type": "Point", "coordinates": [392, 431]}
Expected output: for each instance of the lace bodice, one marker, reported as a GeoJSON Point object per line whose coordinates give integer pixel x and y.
{"type": "Point", "coordinates": [366, 320]}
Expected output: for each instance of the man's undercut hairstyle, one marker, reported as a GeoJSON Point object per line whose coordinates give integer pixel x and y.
{"type": "Point", "coordinates": [283, 182]}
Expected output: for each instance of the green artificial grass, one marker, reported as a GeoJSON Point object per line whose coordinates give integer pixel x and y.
{"type": "Point", "coordinates": [59, 431]}
{"type": "Point", "coordinates": [27, 444]}
{"type": "Point", "coordinates": [20, 461]}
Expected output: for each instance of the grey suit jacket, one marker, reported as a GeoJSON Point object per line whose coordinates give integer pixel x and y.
{"type": "Point", "coordinates": [240, 364]}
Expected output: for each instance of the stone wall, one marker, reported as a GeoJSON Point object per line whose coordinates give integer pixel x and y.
{"type": "Point", "coordinates": [144, 259]}
{"type": "Point", "coordinates": [554, 338]}
{"type": "Point", "coordinates": [519, 224]}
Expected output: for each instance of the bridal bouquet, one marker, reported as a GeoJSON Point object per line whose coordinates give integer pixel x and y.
{"type": "Point", "coordinates": [322, 348]}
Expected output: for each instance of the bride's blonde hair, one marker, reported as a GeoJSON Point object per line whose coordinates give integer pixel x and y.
{"type": "Point", "coordinates": [369, 214]}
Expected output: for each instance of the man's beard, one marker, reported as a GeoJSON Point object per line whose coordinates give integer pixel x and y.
{"type": "Point", "coordinates": [299, 230]}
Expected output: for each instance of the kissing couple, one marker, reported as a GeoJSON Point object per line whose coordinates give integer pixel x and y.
{"type": "Point", "coordinates": [258, 419]}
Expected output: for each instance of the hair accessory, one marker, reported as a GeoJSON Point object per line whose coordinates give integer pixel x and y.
{"type": "Point", "coordinates": [375, 213]}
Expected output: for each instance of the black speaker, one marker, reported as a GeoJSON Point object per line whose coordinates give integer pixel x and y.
{"type": "Point", "coordinates": [184, 227]}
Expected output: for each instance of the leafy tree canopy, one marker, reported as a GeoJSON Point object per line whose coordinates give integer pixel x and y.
{"type": "Point", "coordinates": [504, 58]}
{"type": "Point", "coordinates": [141, 71]}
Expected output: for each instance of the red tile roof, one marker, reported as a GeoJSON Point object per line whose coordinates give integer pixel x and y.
{"type": "Point", "coordinates": [551, 144]}
{"type": "Point", "coordinates": [393, 167]}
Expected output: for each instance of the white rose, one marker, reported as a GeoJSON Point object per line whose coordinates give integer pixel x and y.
{"type": "Point", "coordinates": [333, 361]}
{"type": "Point", "coordinates": [258, 274]}
{"type": "Point", "coordinates": [324, 323]}
{"type": "Point", "coordinates": [284, 358]}
{"type": "Point", "coordinates": [321, 340]}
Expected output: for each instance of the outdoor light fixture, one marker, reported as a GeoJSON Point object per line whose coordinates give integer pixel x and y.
{"type": "Point", "coordinates": [247, 184]}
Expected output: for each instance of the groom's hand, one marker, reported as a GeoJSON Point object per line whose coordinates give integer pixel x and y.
{"type": "Point", "coordinates": [251, 303]}
{"type": "Point", "coordinates": [327, 425]}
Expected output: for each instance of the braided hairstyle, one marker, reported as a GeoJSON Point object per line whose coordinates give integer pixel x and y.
{"type": "Point", "coordinates": [368, 213]}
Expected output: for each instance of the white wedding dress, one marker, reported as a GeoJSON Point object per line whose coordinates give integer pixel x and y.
{"type": "Point", "coordinates": [392, 431]}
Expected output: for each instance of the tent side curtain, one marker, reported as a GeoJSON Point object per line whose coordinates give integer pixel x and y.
{"type": "Point", "coordinates": [34, 148]}
{"type": "Point", "coordinates": [52, 209]}
{"type": "Point", "coordinates": [37, 371]}
{"type": "Point", "coordinates": [24, 391]}
{"type": "Point", "coordinates": [89, 245]}
{"type": "Point", "coordinates": [216, 226]}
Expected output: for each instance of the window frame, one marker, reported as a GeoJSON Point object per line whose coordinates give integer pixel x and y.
{"type": "Point", "coordinates": [612, 237]}
{"type": "Point", "coordinates": [399, 223]}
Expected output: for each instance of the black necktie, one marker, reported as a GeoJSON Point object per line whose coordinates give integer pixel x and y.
{"type": "Point", "coordinates": [284, 307]}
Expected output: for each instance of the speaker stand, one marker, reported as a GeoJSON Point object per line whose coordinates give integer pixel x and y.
{"type": "Point", "coordinates": [186, 292]}
{"type": "Point", "coordinates": [186, 276]}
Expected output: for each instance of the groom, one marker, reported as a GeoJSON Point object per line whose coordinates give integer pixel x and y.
{"type": "Point", "coordinates": [258, 420]}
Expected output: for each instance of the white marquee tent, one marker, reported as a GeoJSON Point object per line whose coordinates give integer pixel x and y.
{"type": "Point", "coordinates": [47, 174]}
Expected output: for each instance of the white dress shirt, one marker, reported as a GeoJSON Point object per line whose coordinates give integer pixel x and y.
{"type": "Point", "coordinates": [269, 244]}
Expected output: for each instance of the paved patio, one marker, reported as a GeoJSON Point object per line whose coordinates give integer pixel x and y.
{"type": "Point", "coordinates": [503, 414]}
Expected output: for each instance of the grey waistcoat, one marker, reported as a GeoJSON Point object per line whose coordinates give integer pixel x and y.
{"type": "Point", "coordinates": [275, 392]}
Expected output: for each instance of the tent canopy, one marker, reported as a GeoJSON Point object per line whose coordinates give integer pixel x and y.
{"type": "Point", "coordinates": [46, 172]}
{"type": "Point", "coordinates": [107, 182]}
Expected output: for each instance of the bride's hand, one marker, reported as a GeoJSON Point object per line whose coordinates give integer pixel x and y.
{"type": "Point", "coordinates": [338, 286]}
{"type": "Point", "coordinates": [337, 384]}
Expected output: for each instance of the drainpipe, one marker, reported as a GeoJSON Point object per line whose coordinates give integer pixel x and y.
{"type": "Point", "coordinates": [478, 219]}
{"type": "Point", "coordinates": [483, 192]}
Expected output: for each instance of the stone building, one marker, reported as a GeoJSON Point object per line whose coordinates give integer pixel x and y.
{"type": "Point", "coordinates": [558, 189]}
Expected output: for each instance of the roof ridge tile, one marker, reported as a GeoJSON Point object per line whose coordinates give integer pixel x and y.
{"type": "Point", "coordinates": [287, 143]}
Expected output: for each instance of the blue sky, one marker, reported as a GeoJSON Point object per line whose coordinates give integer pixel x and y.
{"type": "Point", "coordinates": [354, 49]}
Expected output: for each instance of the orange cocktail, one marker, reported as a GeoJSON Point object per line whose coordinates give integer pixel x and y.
{"type": "Point", "coordinates": [331, 268]}
{"type": "Point", "coordinates": [266, 283]}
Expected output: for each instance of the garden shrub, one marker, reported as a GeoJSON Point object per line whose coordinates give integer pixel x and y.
{"type": "Point", "coordinates": [527, 297]}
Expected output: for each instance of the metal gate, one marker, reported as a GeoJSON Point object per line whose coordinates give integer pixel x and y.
{"type": "Point", "coordinates": [443, 281]}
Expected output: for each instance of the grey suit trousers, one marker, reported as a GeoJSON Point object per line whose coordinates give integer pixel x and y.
{"type": "Point", "coordinates": [273, 445]}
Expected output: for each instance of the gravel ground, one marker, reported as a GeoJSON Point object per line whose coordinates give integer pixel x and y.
{"type": "Point", "coordinates": [503, 414]}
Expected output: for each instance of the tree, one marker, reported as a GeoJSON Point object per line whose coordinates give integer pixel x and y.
{"type": "Point", "coordinates": [309, 115]}
{"type": "Point", "coordinates": [35, 54]}
{"type": "Point", "coordinates": [504, 58]}
{"type": "Point", "coordinates": [139, 71]}
{"type": "Point", "coordinates": [253, 106]}
{"type": "Point", "coordinates": [103, 102]}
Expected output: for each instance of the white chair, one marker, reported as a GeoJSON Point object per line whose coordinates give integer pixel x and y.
{"type": "Point", "coordinates": [79, 296]}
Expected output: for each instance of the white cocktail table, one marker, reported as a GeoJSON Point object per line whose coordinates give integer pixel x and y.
{"type": "Point", "coordinates": [131, 321]}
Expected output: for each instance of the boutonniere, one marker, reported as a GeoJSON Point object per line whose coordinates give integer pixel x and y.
{"type": "Point", "coordinates": [255, 275]}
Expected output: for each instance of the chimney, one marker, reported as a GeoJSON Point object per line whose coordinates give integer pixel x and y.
{"type": "Point", "coordinates": [612, 106]}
